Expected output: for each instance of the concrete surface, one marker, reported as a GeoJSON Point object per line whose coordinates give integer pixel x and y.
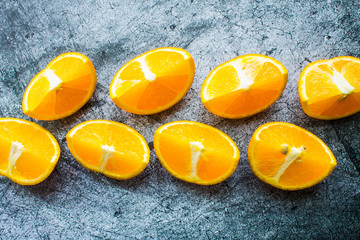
{"type": "Point", "coordinates": [74, 203]}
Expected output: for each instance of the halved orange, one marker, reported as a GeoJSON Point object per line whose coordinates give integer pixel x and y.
{"type": "Point", "coordinates": [330, 89]}
{"type": "Point", "coordinates": [28, 152]}
{"type": "Point", "coordinates": [153, 81]}
{"type": "Point", "coordinates": [108, 147]}
{"type": "Point", "coordinates": [289, 157]}
{"type": "Point", "coordinates": [195, 152]}
{"type": "Point", "coordinates": [61, 89]}
{"type": "Point", "coordinates": [244, 86]}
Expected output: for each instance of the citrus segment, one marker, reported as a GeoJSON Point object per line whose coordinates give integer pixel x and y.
{"type": "Point", "coordinates": [153, 81]}
{"type": "Point", "coordinates": [330, 89]}
{"type": "Point", "coordinates": [108, 147]}
{"type": "Point", "coordinates": [289, 157]}
{"type": "Point", "coordinates": [243, 86]}
{"type": "Point", "coordinates": [61, 89]}
{"type": "Point", "coordinates": [28, 152]}
{"type": "Point", "coordinates": [196, 152]}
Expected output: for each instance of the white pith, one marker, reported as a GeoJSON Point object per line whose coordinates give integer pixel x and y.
{"type": "Point", "coordinates": [341, 83]}
{"type": "Point", "coordinates": [245, 80]}
{"type": "Point", "coordinates": [149, 75]}
{"type": "Point", "coordinates": [292, 155]}
{"type": "Point", "coordinates": [15, 152]}
{"type": "Point", "coordinates": [54, 80]}
{"type": "Point", "coordinates": [196, 149]}
{"type": "Point", "coordinates": [107, 153]}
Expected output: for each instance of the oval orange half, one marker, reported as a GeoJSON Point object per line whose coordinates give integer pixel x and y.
{"type": "Point", "coordinates": [61, 89]}
{"type": "Point", "coordinates": [28, 152]}
{"type": "Point", "coordinates": [244, 86]}
{"type": "Point", "coordinates": [330, 89]}
{"type": "Point", "coordinates": [289, 157]}
{"type": "Point", "coordinates": [108, 147]}
{"type": "Point", "coordinates": [195, 152]}
{"type": "Point", "coordinates": [153, 81]}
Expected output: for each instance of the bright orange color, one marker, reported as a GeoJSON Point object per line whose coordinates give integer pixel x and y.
{"type": "Point", "coordinates": [61, 89]}
{"type": "Point", "coordinates": [289, 157]}
{"type": "Point", "coordinates": [153, 81]}
{"type": "Point", "coordinates": [244, 86]}
{"type": "Point", "coordinates": [330, 89]}
{"type": "Point", "coordinates": [28, 152]}
{"type": "Point", "coordinates": [195, 152]}
{"type": "Point", "coordinates": [108, 147]}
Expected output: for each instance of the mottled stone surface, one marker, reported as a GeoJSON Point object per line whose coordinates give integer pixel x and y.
{"type": "Point", "coordinates": [76, 203]}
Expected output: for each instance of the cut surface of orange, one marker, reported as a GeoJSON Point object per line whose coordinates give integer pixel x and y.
{"type": "Point", "coordinates": [108, 147]}
{"type": "Point", "coordinates": [244, 86]}
{"type": "Point", "coordinates": [289, 157]}
{"type": "Point", "coordinates": [330, 89]}
{"type": "Point", "coordinates": [61, 89]}
{"type": "Point", "coordinates": [28, 152]}
{"type": "Point", "coordinates": [153, 81]}
{"type": "Point", "coordinates": [195, 152]}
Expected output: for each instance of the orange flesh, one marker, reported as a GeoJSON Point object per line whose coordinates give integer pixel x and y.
{"type": "Point", "coordinates": [216, 160]}
{"type": "Point", "coordinates": [78, 80]}
{"type": "Point", "coordinates": [135, 93]}
{"type": "Point", "coordinates": [267, 156]}
{"type": "Point", "coordinates": [177, 153]}
{"type": "Point", "coordinates": [129, 152]}
{"type": "Point", "coordinates": [324, 97]}
{"type": "Point", "coordinates": [227, 97]}
{"type": "Point", "coordinates": [212, 165]}
{"type": "Point", "coordinates": [38, 151]}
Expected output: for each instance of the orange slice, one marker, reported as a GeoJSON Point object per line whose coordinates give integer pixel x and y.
{"type": "Point", "coordinates": [330, 89]}
{"type": "Point", "coordinates": [289, 157]}
{"type": "Point", "coordinates": [61, 89]}
{"type": "Point", "coordinates": [244, 86]}
{"type": "Point", "coordinates": [153, 81]}
{"type": "Point", "coordinates": [28, 152]}
{"type": "Point", "coordinates": [196, 152]}
{"type": "Point", "coordinates": [108, 147]}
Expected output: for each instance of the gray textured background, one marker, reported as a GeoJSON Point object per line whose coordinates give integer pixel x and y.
{"type": "Point", "coordinates": [76, 203]}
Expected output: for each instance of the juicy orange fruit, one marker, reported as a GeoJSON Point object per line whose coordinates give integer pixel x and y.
{"type": "Point", "coordinates": [153, 81]}
{"type": "Point", "coordinates": [330, 89]}
{"type": "Point", "coordinates": [244, 86]}
{"type": "Point", "coordinates": [289, 157]}
{"type": "Point", "coordinates": [196, 152]}
{"type": "Point", "coordinates": [28, 152]}
{"type": "Point", "coordinates": [61, 89]}
{"type": "Point", "coordinates": [108, 147]}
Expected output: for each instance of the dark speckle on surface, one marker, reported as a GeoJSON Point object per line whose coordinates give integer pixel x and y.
{"type": "Point", "coordinates": [117, 213]}
{"type": "Point", "coordinates": [151, 145]}
{"type": "Point", "coordinates": [74, 202]}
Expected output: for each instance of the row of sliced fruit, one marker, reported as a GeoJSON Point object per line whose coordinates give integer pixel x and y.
{"type": "Point", "coordinates": [281, 154]}
{"type": "Point", "coordinates": [158, 79]}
